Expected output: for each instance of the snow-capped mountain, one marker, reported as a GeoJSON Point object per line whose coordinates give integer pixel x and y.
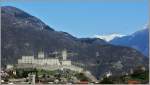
{"type": "Point", "coordinates": [109, 37]}
{"type": "Point", "coordinates": [137, 40]}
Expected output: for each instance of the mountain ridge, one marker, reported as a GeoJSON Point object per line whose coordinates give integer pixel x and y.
{"type": "Point", "coordinates": [28, 37]}
{"type": "Point", "coordinates": [138, 40]}
{"type": "Point", "coordinates": [109, 37]}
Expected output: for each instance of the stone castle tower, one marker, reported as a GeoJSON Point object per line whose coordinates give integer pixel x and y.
{"type": "Point", "coordinates": [41, 54]}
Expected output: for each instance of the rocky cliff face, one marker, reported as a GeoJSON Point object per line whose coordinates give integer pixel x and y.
{"type": "Point", "coordinates": [23, 34]}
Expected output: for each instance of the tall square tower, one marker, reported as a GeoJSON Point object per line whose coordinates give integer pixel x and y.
{"type": "Point", "coordinates": [41, 55]}
{"type": "Point", "coordinates": [64, 55]}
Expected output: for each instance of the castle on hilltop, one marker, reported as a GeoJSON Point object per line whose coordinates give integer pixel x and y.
{"type": "Point", "coordinates": [41, 60]}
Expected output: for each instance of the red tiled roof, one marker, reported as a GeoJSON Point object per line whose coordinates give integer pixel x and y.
{"type": "Point", "coordinates": [133, 82]}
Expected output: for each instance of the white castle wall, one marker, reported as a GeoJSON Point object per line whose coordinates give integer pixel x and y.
{"type": "Point", "coordinates": [67, 63]}
{"type": "Point", "coordinates": [50, 62]}
{"type": "Point", "coordinates": [26, 59]}
{"type": "Point", "coordinates": [31, 60]}
{"type": "Point", "coordinates": [47, 61]}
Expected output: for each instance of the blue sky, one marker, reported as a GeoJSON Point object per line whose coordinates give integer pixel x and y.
{"type": "Point", "coordinates": [83, 19]}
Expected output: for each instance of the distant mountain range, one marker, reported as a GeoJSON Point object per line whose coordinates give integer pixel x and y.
{"type": "Point", "coordinates": [24, 34]}
{"type": "Point", "coordinates": [138, 40]}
